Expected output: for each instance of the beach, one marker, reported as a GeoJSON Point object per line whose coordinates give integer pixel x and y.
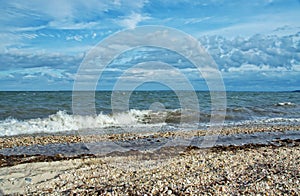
{"type": "Point", "coordinates": [43, 139]}
{"type": "Point", "coordinates": [150, 98]}
{"type": "Point", "coordinates": [45, 149]}
{"type": "Point", "coordinates": [247, 169]}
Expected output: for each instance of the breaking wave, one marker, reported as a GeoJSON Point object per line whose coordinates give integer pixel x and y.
{"type": "Point", "coordinates": [61, 122]}
{"type": "Point", "coordinates": [64, 122]}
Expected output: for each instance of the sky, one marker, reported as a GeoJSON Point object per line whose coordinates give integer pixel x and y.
{"type": "Point", "coordinates": [256, 44]}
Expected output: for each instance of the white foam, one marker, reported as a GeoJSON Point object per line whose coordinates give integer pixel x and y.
{"type": "Point", "coordinates": [61, 121]}
{"type": "Point", "coordinates": [285, 104]}
{"type": "Point", "coordinates": [133, 119]}
{"type": "Point", "coordinates": [280, 120]}
{"type": "Point", "coordinates": [266, 121]}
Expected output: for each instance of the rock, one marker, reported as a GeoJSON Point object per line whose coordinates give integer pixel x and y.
{"type": "Point", "coordinates": [28, 179]}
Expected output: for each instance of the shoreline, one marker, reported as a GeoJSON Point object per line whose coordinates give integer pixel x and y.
{"type": "Point", "coordinates": [162, 153]}
{"type": "Point", "coordinates": [153, 144]}
{"type": "Point", "coordinates": [271, 168]}
{"type": "Point", "coordinates": [46, 138]}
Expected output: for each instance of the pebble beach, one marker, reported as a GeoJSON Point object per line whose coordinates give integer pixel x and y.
{"type": "Point", "coordinates": [27, 140]}
{"type": "Point", "coordinates": [247, 169]}
{"type": "Point", "coordinates": [150, 98]}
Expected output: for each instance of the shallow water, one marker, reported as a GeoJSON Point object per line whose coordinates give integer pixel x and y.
{"type": "Point", "coordinates": [146, 144]}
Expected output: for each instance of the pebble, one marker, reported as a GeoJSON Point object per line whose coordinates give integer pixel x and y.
{"type": "Point", "coordinates": [244, 171]}
{"type": "Point", "coordinates": [262, 170]}
{"type": "Point", "coordinates": [13, 141]}
{"type": "Point", "coordinates": [28, 179]}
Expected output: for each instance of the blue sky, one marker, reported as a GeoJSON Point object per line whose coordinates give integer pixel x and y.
{"type": "Point", "coordinates": [256, 44]}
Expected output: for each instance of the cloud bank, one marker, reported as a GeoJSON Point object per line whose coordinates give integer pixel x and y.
{"type": "Point", "coordinates": [254, 43]}
{"type": "Point", "coordinates": [270, 62]}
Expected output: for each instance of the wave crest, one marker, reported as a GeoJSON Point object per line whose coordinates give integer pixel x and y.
{"type": "Point", "coordinates": [61, 121]}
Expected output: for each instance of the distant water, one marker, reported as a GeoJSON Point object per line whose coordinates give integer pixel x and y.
{"type": "Point", "coordinates": [38, 112]}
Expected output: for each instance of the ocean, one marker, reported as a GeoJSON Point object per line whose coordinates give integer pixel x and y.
{"type": "Point", "coordinates": [51, 112]}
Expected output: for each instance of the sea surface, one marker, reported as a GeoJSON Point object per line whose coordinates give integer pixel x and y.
{"type": "Point", "coordinates": [51, 112]}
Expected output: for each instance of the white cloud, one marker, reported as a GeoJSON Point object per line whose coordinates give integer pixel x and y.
{"type": "Point", "coordinates": [64, 14]}
{"type": "Point", "coordinates": [132, 20]}
{"type": "Point", "coordinates": [36, 73]}
{"type": "Point", "coordinates": [256, 68]}
{"type": "Point", "coordinates": [140, 72]}
{"type": "Point", "coordinates": [8, 39]}
{"type": "Point", "coordinates": [267, 24]}
{"type": "Point", "coordinates": [296, 67]}
{"type": "Point", "coordinates": [27, 28]}
{"type": "Point", "coordinates": [254, 53]}
{"type": "Point", "coordinates": [75, 37]}
{"type": "Point", "coordinates": [29, 35]}
{"type": "Point", "coordinates": [6, 75]}
{"type": "Point", "coordinates": [30, 76]}
{"type": "Point", "coordinates": [94, 35]}
{"type": "Point", "coordinates": [196, 20]}
{"type": "Point", "coordinates": [70, 25]}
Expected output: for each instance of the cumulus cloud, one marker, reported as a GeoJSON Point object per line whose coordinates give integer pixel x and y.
{"type": "Point", "coordinates": [259, 62]}
{"type": "Point", "coordinates": [245, 62]}
{"type": "Point", "coordinates": [40, 41]}
{"type": "Point", "coordinates": [249, 61]}
{"type": "Point", "coordinates": [257, 53]}
{"type": "Point", "coordinates": [37, 71]}
{"type": "Point", "coordinates": [256, 68]}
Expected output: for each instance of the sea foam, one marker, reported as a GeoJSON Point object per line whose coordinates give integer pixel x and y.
{"type": "Point", "coordinates": [132, 119]}
{"type": "Point", "coordinates": [61, 122]}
